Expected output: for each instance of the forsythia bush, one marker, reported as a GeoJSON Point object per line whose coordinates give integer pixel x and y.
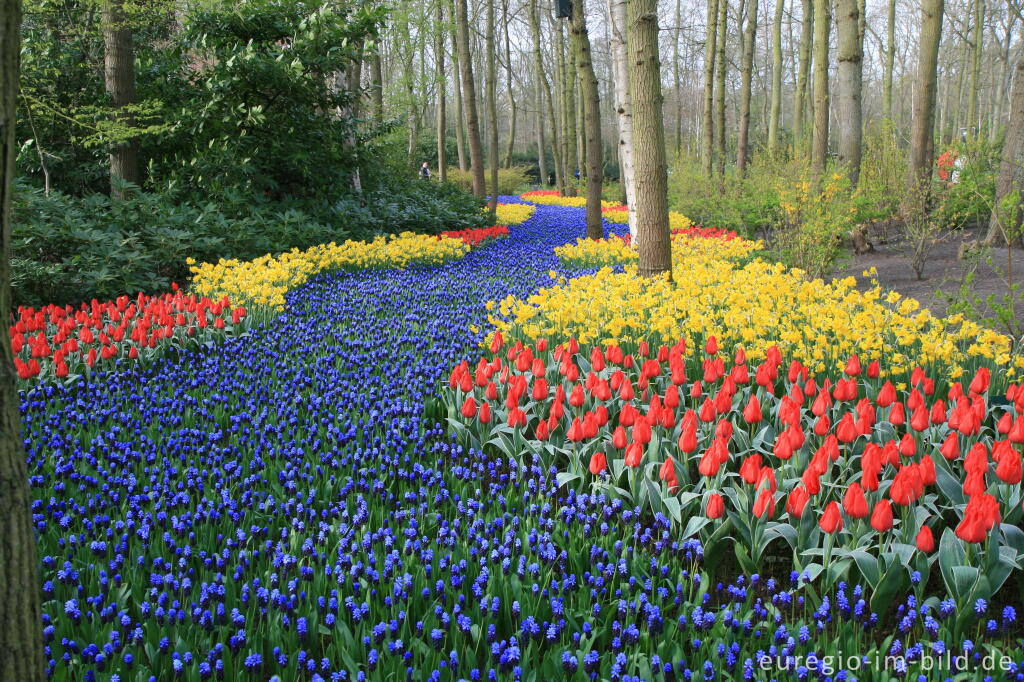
{"type": "Point", "coordinates": [514, 214]}
{"type": "Point", "coordinates": [264, 281]}
{"type": "Point", "coordinates": [755, 306]}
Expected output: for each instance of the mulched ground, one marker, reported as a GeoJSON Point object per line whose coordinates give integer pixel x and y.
{"type": "Point", "coordinates": [944, 270]}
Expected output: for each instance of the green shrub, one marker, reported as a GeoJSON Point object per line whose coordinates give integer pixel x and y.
{"type": "Point", "coordinates": [69, 249]}
{"type": "Point", "coordinates": [512, 180]}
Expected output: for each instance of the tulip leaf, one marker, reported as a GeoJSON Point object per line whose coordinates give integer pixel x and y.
{"type": "Point", "coordinates": [951, 489]}
{"type": "Point", "coordinates": [694, 525]}
{"type": "Point", "coordinates": [892, 582]}
{"type": "Point", "coordinates": [1013, 536]}
{"type": "Point", "coordinates": [868, 567]}
{"type": "Point", "coordinates": [565, 477]}
{"type": "Point", "coordinates": [785, 531]}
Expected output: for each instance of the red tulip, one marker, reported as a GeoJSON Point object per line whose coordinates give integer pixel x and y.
{"type": "Point", "coordinates": [847, 431]}
{"type": "Point", "coordinates": [881, 516]}
{"type": "Point", "coordinates": [887, 395]}
{"type": "Point", "coordinates": [874, 370]}
{"type": "Point", "coordinates": [752, 412]}
{"type": "Point", "coordinates": [1009, 468]}
{"type": "Point", "coordinates": [925, 541]}
{"type": "Point", "coordinates": [981, 514]}
{"type": "Point", "coordinates": [853, 366]}
{"type": "Point", "coordinates": [715, 506]}
{"type": "Point", "coordinates": [951, 447]}
{"type": "Point", "coordinates": [485, 413]}
{"type": "Point", "coordinates": [667, 472]}
{"type": "Point", "coordinates": [764, 506]}
{"type": "Point", "coordinates": [469, 407]}
{"type": "Point", "coordinates": [832, 520]}
{"type": "Point", "coordinates": [598, 463]}
{"type": "Point", "coordinates": [797, 502]}
{"type": "Point", "coordinates": [854, 502]}
{"type": "Point", "coordinates": [634, 454]}
{"type": "Point", "coordinates": [711, 346]}
{"type": "Point", "coordinates": [750, 468]}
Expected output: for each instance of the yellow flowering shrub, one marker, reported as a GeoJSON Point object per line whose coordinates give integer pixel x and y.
{"type": "Point", "coordinates": [676, 220]}
{"type": "Point", "coordinates": [265, 280]}
{"type": "Point", "coordinates": [753, 307]}
{"type": "Point", "coordinates": [695, 243]}
{"type": "Point", "coordinates": [514, 214]}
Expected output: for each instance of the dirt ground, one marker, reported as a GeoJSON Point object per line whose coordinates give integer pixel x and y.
{"type": "Point", "coordinates": [944, 270]}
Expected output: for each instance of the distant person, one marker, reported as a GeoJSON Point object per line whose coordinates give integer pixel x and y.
{"type": "Point", "coordinates": [424, 171]}
{"type": "Point", "coordinates": [577, 173]}
{"type": "Point", "coordinates": [551, 178]}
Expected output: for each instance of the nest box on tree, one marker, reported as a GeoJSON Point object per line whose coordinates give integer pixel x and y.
{"type": "Point", "coordinates": [564, 8]}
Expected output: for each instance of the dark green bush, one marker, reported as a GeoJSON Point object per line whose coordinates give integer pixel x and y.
{"type": "Point", "coordinates": [69, 249]}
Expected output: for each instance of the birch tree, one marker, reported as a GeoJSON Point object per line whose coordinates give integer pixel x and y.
{"type": "Point", "coordinates": [623, 108]}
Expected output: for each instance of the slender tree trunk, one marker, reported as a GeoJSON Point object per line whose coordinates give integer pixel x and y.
{"type": "Point", "coordinates": [476, 154]}
{"type": "Point", "coordinates": [21, 642]}
{"type": "Point", "coordinates": [803, 76]}
{"type": "Point", "coordinates": [977, 43]}
{"type": "Point", "coordinates": [850, 77]}
{"type": "Point", "coordinates": [819, 145]}
{"type": "Point", "coordinates": [1004, 222]}
{"type": "Point", "coordinates": [460, 97]}
{"type": "Point", "coordinates": [409, 85]}
{"type": "Point", "coordinates": [572, 146]}
{"type": "Point", "coordinates": [746, 75]}
{"type": "Point", "coordinates": [623, 106]}
{"type": "Point", "coordinates": [710, 53]}
{"type": "Point", "coordinates": [512, 104]}
{"type": "Point", "coordinates": [539, 80]}
{"type": "Point", "coordinates": [442, 93]}
{"type": "Point", "coordinates": [889, 60]}
{"type": "Point", "coordinates": [376, 87]}
{"type": "Point", "coordinates": [651, 170]}
{"type": "Point", "coordinates": [922, 144]}
{"type": "Point", "coordinates": [353, 79]}
{"type": "Point", "coordinates": [492, 104]}
{"type": "Point", "coordinates": [591, 118]}
{"type": "Point", "coordinates": [720, 64]}
{"type": "Point", "coordinates": [119, 78]}
{"type": "Point", "coordinates": [774, 118]}
{"type": "Point", "coordinates": [677, 77]}
{"type": "Point", "coordinates": [556, 113]}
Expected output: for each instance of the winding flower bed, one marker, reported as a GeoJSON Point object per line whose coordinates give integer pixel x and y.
{"type": "Point", "coordinates": [514, 214]}
{"type": "Point", "coordinates": [707, 243]}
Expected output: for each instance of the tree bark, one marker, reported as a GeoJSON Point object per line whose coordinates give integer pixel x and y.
{"type": "Point", "coordinates": [512, 104]}
{"type": "Point", "coordinates": [651, 171]}
{"type": "Point", "coordinates": [977, 43]}
{"type": "Point", "coordinates": [710, 52]}
{"type": "Point", "coordinates": [492, 105]}
{"type": "Point", "coordinates": [119, 79]}
{"type": "Point", "coordinates": [1003, 223]}
{"type": "Point", "coordinates": [922, 145]}
{"type": "Point", "coordinates": [720, 64]}
{"type": "Point", "coordinates": [442, 93]}
{"type": "Point", "coordinates": [850, 76]}
{"type": "Point", "coordinates": [591, 100]}
{"type": "Point", "coordinates": [803, 76]}
{"type": "Point", "coordinates": [460, 122]}
{"type": "Point", "coordinates": [677, 78]}
{"type": "Point", "coordinates": [889, 60]}
{"type": "Point", "coordinates": [746, 75]}
{"type": "Point", "coordinates": [376, 86]}
{"type": "Point", "coordinates": [476, 154]}
{"type": "Point", "coordinates": [774, 118]}
{"type": "Point", "coordinates": [21, 643]}
{"type": "Point", "coordinates": [539, 83]}
{"type": "Point", "coordinates": [623, 106]}
{"type": "Point", "coordinates": [819, 144]}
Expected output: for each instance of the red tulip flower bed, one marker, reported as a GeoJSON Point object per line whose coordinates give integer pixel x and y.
{"type": "Point", "coordinates": [64, 342]}
{"type": "Point", "coordinates": [479, 236]}
{"type": "Point", "coordinates": [854, 477]}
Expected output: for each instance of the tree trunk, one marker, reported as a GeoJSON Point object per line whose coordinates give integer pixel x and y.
{"type": "Point", "coordinates": [538, 91]}
{"type": "Point", "coordinates": [623, 106]}
{"type": "Point", "coordinates": [460, 122]}
{"type": "Point", "coordinates": [977, 43]}
{"type": "Point", "coordinates": [710, 52]}
{"type": "Point", "coordinates": [922, 145]}
{"type": "Point", "coordinates": [119, 79]}
{"type": "Point", "coordinates": [492, 105]}
{"type": "Point", "coordinates": [1006, 220]}
{"type": "Point", "coordinates": [591, 100]}
{"type": "Point", "coordinates": [676, 78]}
{"type": "Point", "coordinates": [476, 154]}
{"type": "Point", "coordinates": [512, 104]}
{"type": "Point", "coordinates": [353, 79]}
{"type": "Point", "coordinates": [850, 76]}
{"type": "Point", "coordinates": [21, 641]}
{"type": "Point", "coordinates": [746, 74]}
{"type": "Point", "coordinates": [723, 19]}
{"type": "Point", "coordinates": [803, 76]}
{"type": "Point", "coordinates": [889, 60]}
{"type": "Point", "coordinates": [774, 118]}
{"type": "Point", "coordinates": [819, 144]}
{"type": "Point", "coordinates": [442, 93]}
{"type": "Point", "coordinates": [651, 171]}
{"type": "Point", "coordinates": [570, 141]}
{"type": "Point", "coordinates": [376, 87]}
